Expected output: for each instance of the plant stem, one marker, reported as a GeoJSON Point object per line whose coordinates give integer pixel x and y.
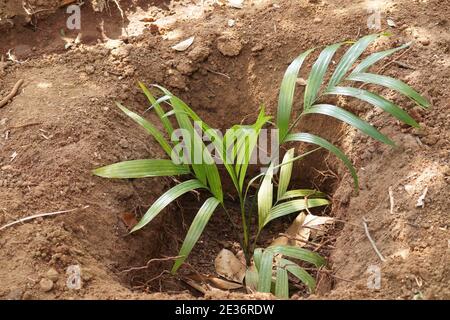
{"type": "Point", "coordinates": [245, 229]}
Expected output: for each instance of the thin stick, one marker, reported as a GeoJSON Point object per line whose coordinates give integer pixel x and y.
{"type": "Point", "coordinates": [393, 60]}
{"type": "Point", "coordinates": [391, 199]}
{"type": "Point", "coordinates": [374, 246]}
{"type": "Point", "coordinates": [218, 73]}
{"type": "Point", "coordinates": [302, 240]}
{"type": "Point", "coordinates": [149, 262]}
{"type": "Point", "coordinates": [120, 9]}
{"type": "Point", "coordinates": [12, 93]}
{"type": "Point", "coordinates": [38, 216]}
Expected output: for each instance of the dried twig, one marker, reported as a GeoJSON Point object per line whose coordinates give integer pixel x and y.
{"type": "Point", "coordinates": [13, 92]}
{"type": "Point", "coordinates": [38, 216]}
{"type": "Point", "coordinates": [391, 199]}
{"type": "Point", "coordinates": [120, 9]}
{"type": "Point", "coordinates": [218, 73]}
{"type": "Point", "coordinates": [374, 246]}
{"type": "Point", "coordinates": [314, 244]}
{"type": "Point", "coordinates": [394, 60]}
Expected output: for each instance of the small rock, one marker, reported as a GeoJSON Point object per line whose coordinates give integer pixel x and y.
{"type": "Point", "coordinates": [301, 82]}
{"type": "Point", "coordinates": [258, 47]}
{"type": "Point", "coordinates": [424, 41]}
{"type": "Point", "coordinates": [186, 67]}
{"type": "Point", "coordinates": [431, 139]}
{"type": "Point", "coordinates": [229, 45]}
{"type": "Point", "coordinates": [27, 295]}
{"type": "Point", "coordinates": [317, 20]}
{"type": "Point", "coordinates": [199, 53]}
{"type": "Point", "coordinates": [176, 79]}
{"type": "Point", "coordinates": [52, 274]}
{"type": "Point", "coordinates": [238, 4]}
{"type": "Point", "coordinates": [391, 23]}
{"type": "Point", "coordinates": [90, 69]}
{"type": "Point", "coordinates": [420, 132]}
{"type": "Point", "coordinates": [46, 284]}
{"type": "Point", "coordinates": [231, 22]}
{"type": "Point", "coordinates": [123, 143]}
{"type": "Point", "coordinates": [120, 52]}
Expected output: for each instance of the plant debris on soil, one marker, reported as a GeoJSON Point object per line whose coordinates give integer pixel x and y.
{"type": "Point", "coordinates": [61, 123]}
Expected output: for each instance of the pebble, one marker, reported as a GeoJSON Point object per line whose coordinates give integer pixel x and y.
{"type": "Point", "coordinates": [120, 52]}
{"type": "Point", "coordinates": [229, 45]}
{"type": "Point", "coordinates": [124, 144]}
{"type": "Point", "coordinates": [52, 274]}
{"type": "Point", "coordinates": [317, 20]}
{"type": "Point", "coordinates": [27, 295]}
{"type": "Point", "coordinates": [424, 41]}
{"type": "Point", "coordinates": [46, 284]}
{"type": "Point", "coordinates": [258, 47]}
{"type": "Point", "coordinates": [90, 69]}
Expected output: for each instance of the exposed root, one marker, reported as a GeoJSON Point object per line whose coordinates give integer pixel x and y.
{"type": "Point", "coordinates": [11, 95]}
{"type": "Point", "coordinates": [38, 216]}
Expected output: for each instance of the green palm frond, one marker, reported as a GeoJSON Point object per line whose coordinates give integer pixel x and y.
{"type": "Point", "coordinates": [317, 87]}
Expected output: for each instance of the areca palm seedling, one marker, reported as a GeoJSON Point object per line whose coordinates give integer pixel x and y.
{"type": "Point", "coordinates": [268, 268]}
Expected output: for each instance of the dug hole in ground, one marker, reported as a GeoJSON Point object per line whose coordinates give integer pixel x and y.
{"type": "Point", "coordinates": [62, 123]}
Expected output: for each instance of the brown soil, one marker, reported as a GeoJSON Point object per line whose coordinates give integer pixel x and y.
{"type": "Point", "coordinates": [63, 123]}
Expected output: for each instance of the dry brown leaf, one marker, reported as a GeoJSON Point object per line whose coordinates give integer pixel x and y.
{"type": "Point", "coordinates": [196, 285]}
{"type": "Point", "coordinates": [300, 230]}
{"type": "Point", "coordinates": [229, 266]}
{"type": "Point", "coordinates": [206, 282]}
{"type": "Point", "coordinates": [129, 219]}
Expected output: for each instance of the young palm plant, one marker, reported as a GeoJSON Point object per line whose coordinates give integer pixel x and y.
{"type": "Point", "coordinates": [271, 268]}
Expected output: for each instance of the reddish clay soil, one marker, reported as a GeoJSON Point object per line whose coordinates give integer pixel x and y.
{"type": "Point", "coordinates": [63, 123]}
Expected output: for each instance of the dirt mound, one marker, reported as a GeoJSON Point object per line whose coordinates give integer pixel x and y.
{"type": "Point", "coordinates": [63, 123]}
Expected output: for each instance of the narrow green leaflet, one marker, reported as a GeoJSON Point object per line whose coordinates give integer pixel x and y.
{"type": "Point", "coordinates": [376, 100]}
{"type": "Point", "coordinates": [310, 138]}
{"type": "Point", "coordinates": [292, 206]}
{"type": "Point", "coordinates": [298, 272]}
{"type": "Point", "coordinates": [350, 118]}
{"type": "Point", "coordinates": [301, 193]}
{"type": "Point", "coordinates": [375, 57]}
{"type": "Point", "coordinates": [166, 199]}
{"type": "Point", "coordinates": [151, 129]}
{"type": "Point", "coordinates": [286, 96]}
{"type": "Point", "coordinates": [349, 58]}
{"type": "Point", "coordinates": [157, 107]}
{"type": "Point", "coordinates": [317, 74]}
{"type": "Point", "coordinates": [195, 230]}
{"type": "Point", "coordinates": [141, 169]}
{"type": "Point", "coordinates": [298, 253]}
{"type": "Point", "coordinates": [265, 197]}
{"type": "Point", "coordinates": [282, 284]}
{"type": "Point", "coordinates": [390, 83]}
{"type": "Point", "coordinates": [201, 160]}
{"type": "Point", "coordinates": [285, 173]}
{"type": "Point", "coordinates": [245, 147]}
{"type": "Point", "coordinates": [265, 272]}
{"type": "Point", "coordinates": [212, 134]}
{"type": "Point", "coordinates": [257, 256]}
